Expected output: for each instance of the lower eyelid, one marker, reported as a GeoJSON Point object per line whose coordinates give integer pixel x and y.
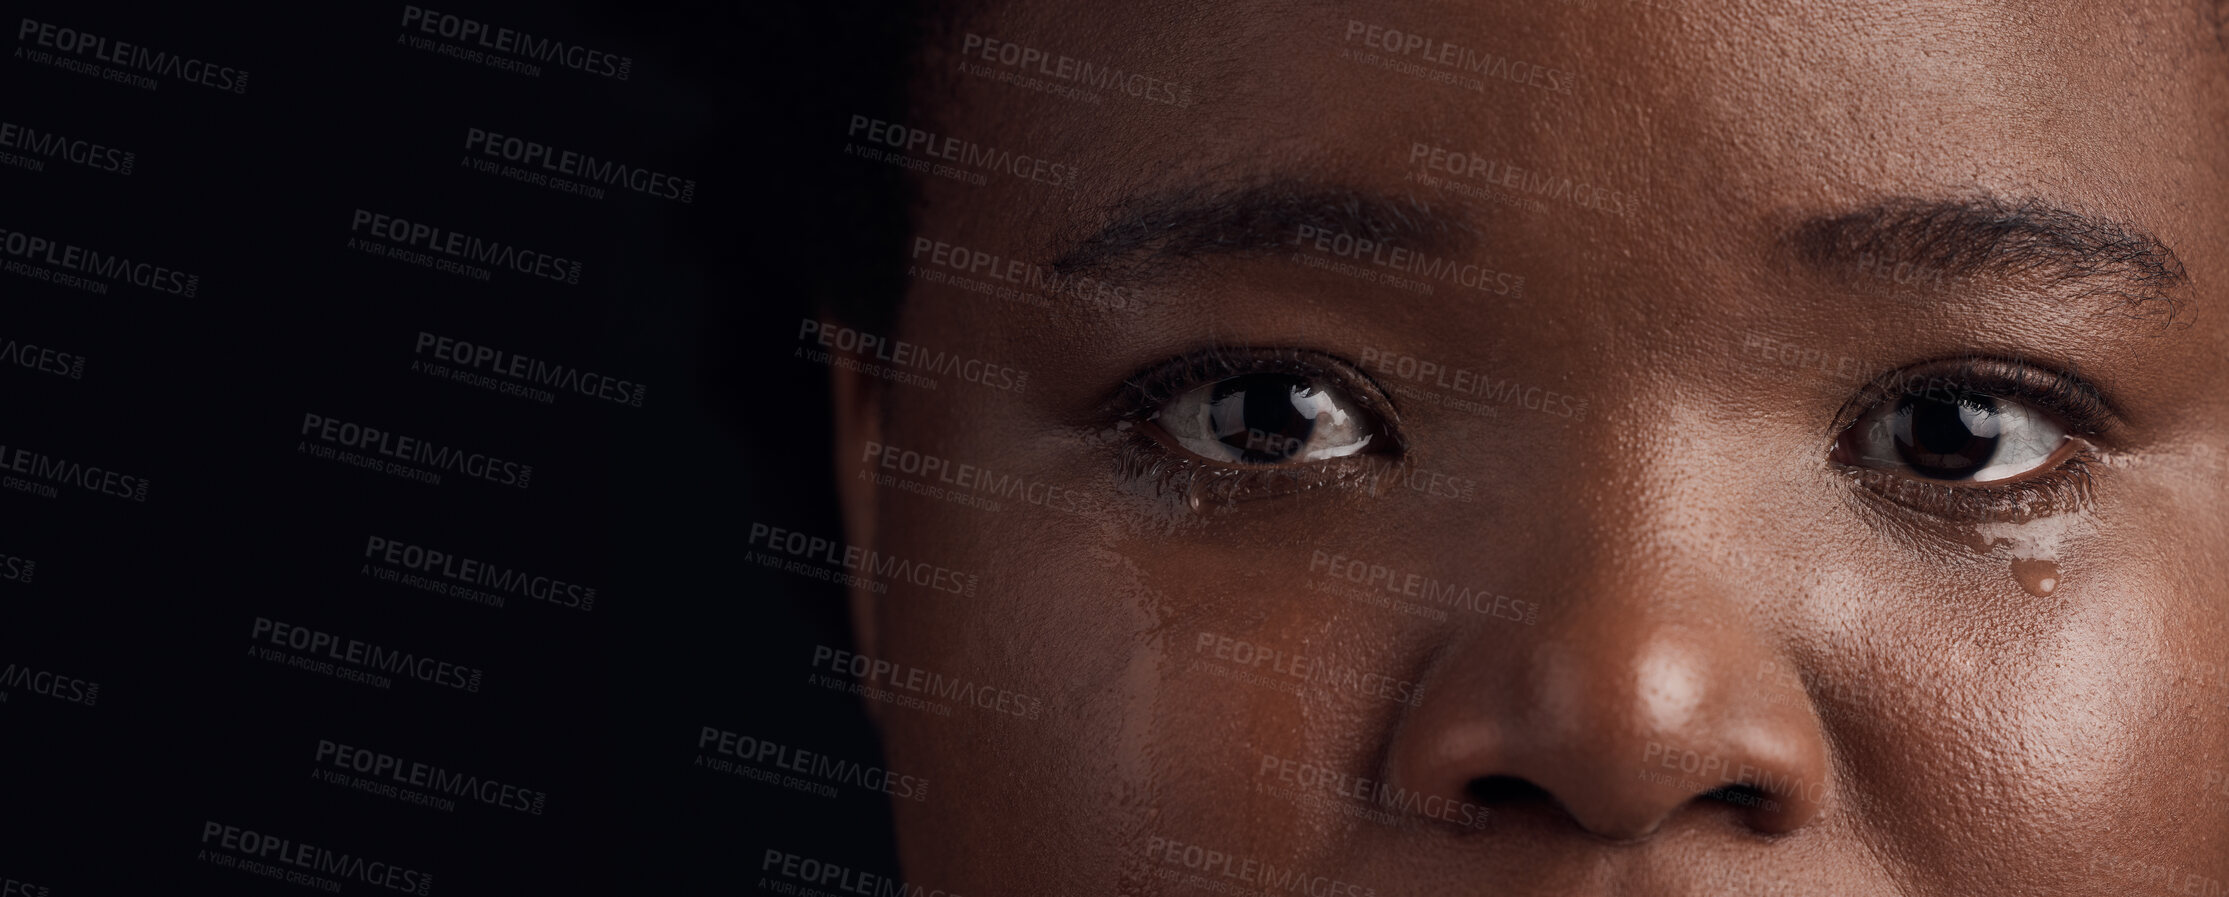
{"type": "Point", "coordinates": [2066, 485]}
{"type": "Point", "coordinates": [1142, 460]}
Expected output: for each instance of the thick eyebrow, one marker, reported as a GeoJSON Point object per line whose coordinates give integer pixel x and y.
{"type": "Point", "coordinates": [1912, 239]}
{"type": "Point", "coordinates": [1147, 238]}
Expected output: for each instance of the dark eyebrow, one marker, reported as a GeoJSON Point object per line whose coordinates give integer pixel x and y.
{"type": "Point", "coordinates": [1146, 238]}
{"type": "Point", "coordinates": [1989, 237]}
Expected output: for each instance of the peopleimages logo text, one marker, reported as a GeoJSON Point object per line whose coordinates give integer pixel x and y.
{"type": "Point", "coordinates": [1083, 72]}
{"type": "Point", "coordinates": [533, 154]}
{"type": "Point", "coordinates": [50, 684]}
{"type": "Point", "coordinates": [45, 360]}
{"type": "Point", "coordinates": [416, 451]}
{"type": "Point", "coordinates": [132, 56]}
{"type": "Point", "coordinates": [95, 263]}
{"type": "Point", "coordinates": [518, 43]}
{"type": "Point", "coordinates": [382, 765]}
{"type": "Point", "coordinates": [527, 369]}
{"type": "Point", "coordinates": [250, 843]}
{"type": "Point", "coordinates": [76, 151]}
{"type": "Point", "coordinates": [396, 552]}
{"type": "Point", "coordinates": [863, 560]}
{"type": "Point", "coordinates": [321, 644]}
{"type": "Point", "coordinates": [94, 478]}
{"type": "Point", "coordinates": [494, 253]}
{"type": "Point", "coordinates": [906, 139]}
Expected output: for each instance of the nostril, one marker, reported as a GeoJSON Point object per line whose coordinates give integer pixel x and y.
{"type": "Point", "coordinates": [1746, 796]}
{"type": "Point", "coordinates": [1505, 791]}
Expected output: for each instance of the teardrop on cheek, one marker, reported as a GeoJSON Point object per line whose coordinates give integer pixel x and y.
{"type": "Point", "coordinates": [2034, 548]}
{"type": "Point", "coordinates": [2039, 577]}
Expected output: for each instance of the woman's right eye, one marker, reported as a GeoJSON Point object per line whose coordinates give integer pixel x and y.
{"type": "Point", "coordinates": [1977, 439]}
{"type": "Point", "coordinates": [1269, 419]}
{"type": "Point", "coordinates": [1966, 438]}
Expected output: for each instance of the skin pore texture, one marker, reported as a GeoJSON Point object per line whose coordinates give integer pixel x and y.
{"type": "Point", "coordinates": [1607, 605]}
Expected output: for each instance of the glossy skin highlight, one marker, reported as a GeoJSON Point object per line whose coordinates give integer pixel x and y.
{"type": "Point", "coordinates": [1713, 600]}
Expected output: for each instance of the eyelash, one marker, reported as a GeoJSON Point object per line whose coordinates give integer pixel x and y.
{"type": "Point", "coordinates": [2067, 485]}
{"type": "Point", "coordinates": [1141, 458]}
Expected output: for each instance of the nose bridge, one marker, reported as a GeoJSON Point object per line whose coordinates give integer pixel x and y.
{"type": "Point", "coordinates": [1646, 687]}
{"type": "Point", "coordinates": [1676, 491]}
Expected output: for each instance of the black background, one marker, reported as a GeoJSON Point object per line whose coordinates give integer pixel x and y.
{"type": "Point", "coordinates": [205, 398]}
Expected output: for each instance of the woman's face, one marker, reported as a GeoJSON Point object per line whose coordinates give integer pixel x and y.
{"type": "Point", "coordinates": [1559, 448]}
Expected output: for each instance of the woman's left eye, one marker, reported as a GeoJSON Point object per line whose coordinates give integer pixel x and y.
{"type": "Point", "coordinates": [1268, 419]}
{"type": "Point", "coordinates": [1959, 437]}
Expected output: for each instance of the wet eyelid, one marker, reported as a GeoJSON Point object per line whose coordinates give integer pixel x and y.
{"type": "Point", "coordinates": [2063, 481]}
{"type": "Point", "coordinates": [1146, 459]}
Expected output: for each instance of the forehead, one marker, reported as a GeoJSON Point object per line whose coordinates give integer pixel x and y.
{"type": "Point", "coordinates": [1706, 112]}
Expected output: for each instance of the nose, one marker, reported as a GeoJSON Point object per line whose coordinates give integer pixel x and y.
{"type": "Point", "coordinates": [1619, 715]}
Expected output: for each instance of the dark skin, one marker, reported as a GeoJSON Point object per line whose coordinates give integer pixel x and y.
{"type": "Point", "coordinates": [1862, 682]}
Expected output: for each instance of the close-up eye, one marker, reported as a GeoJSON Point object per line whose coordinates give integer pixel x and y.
{"type": "Point", "coordinates": [1976, 438]}
{"type": "Point", "coordinates": [1260, 410]}
{"type": "Point", "coordinates": [1226, 424]}
{"type": "Point", "coordinates": [1267, 419]}
{"type": "Point", "coordinates": [1961, 436]}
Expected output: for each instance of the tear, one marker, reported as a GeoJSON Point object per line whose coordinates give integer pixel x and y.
{"type": "Point", "coordinates": [2039, 577]}
{"type": "Point", "coordinates": [2034, 547]}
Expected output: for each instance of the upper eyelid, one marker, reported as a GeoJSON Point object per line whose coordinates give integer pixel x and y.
{"type": "Point", "coordinates": [1166, 379]}
{"type": "Point", "coordinates": [2088, 411]}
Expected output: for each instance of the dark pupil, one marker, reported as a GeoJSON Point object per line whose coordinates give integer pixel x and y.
{"type": "Point", "coordinates": [1262, 416]}
{"type": "Point", "coordinates": [1947, 440]}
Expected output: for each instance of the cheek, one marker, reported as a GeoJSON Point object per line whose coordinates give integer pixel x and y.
{"type": "Point", "coordinates": [2069, 728]}
{"type": "Point", "coordinates": [1058, 617]}
{"type": "Point", "coordinates": [1175, 687]}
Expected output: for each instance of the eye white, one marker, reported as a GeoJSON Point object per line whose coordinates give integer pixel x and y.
{"type": "Point", "coordinates": [1217, 428]}
{"type": "Point", "coordinates": [2025, 439]}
